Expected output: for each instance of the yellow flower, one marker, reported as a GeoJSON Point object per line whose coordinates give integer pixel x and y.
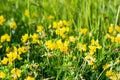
{"type": "Point", "coordinates": [5, 37]}
{"type": "Point", "coordinates": [90, 59]}
{"type": "Point", "coordinates": [2, 75]}
{"type": "Point", "coordinates": [7, 49]}
{"type": "Point", "coordinates": [62, 31]}
{"type": "Point", "coordinates": [111, 29]}
{"type": "Point", "coordinates": [109, 73]}
{"type": "Point", "coordinates": [74, 57]}
{"type": "Point", "coordinates": [20, 50]}
{"type": "Point", "coordinates": [35, 38]}
{"type": "Point", "coordinates": [26, 48]}
{"type": "Point", "coordinates": [16, 73]}
{"type": "Point", "coordinates": [106, 66]}
{"type": "Point", "coordinates": [65, 23]}
{"type": "Point", "coordinates": [13, 25]}
{"type": "Point", "coordinates": [63, 46]}
{"type": "Point", "coordinates": [50, 45]}
{"type": "Point", "coordinates": [14, 48]}
{"type": "Point", "coordinates": [95, 43]}
{"type": "Point", "coordinates": [66, 29]}
{"type": "Point", "coordinates": [117, 39]}
{"type": "Point", "coordinates": [23, 49]}
{"type": "Point", "coordinates": [1, 46]}
{"type": "Point", "coordinates": [19, 58]}
{"type": "Point", "coordinates": [108, 36]}
{"type": "Point", "coordinates": [55, 25]}
{"type": "Point", "coordinates": [90, 62]}
{"type": "Point", "coordinates": [24, 38]}
{"type": "Point", "coordinates": [59, 43]}
{"type": "Point", "coordinates": [4, 61]}
{"type": "Point", "coordinates": [27, 13]}
{"type": "Point", "coordinates": [81, 47]}
{"type": "Point", "coordinates": [72, 39]}
{"type": "Point", "coordinates": [29, 78]}
{"type": "Point", "coordinates": [50, 17]}
{"type": "Point", "coordinates": [83, 31]}
{"type": "Point", "coordinates": [66, 43]}
{"type": "Point", "coordinates": [2, 20]}
{"type": "Point", "coordinates": [12, 56]}
{"type": "Point", "coordinates": [60, 24]}
{"type": "Point", "coordinates": [13, 71]}
{"type": "Point", "coordinates": [118, 28]}
{"type": "Point", "coordinates": [112, 75]}
{"type": "Point", "coordinates": [92, 48]}
{"type": "Point", "coordinates": [84, 48]}
{"type": "Point", "coordinates": [112, 39]}
{"type": "Point", "coordinates": [39, 28]}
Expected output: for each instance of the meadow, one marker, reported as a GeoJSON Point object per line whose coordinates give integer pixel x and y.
{"type": "Point", "coordinates": [59, 39]}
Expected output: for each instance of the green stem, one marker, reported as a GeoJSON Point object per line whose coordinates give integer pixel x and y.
{"type": "Point", "coordinates": [117, 15]}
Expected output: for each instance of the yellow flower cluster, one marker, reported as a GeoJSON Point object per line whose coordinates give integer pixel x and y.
{"type": "Point", "coordinates": [51, 45]}
{"type": "Point", "coordinates": [1, 46]}
{"type": "Point", "coordinates": [29, 78]}
{"type": "Point", "coordinates": [111, 29]}
{"type": "Point", "coordinates": [24, 38]}
{"type": "Point", "coordinates": [94, 45]}
{"type": "Point", "coordinates": [108, 36]}
{"type": "Point", "coordinates": [50, 17]}
{"type": "Point", "coordinates": [117, 39]}
{"type": "Point", "coordinates": [23, 49]}
{"type": "Point", "coordinates": [13, 25]}
{"type": "Point", "coordinates": [35, 38]}
{"type": "Point", "coordinates": [112, 33]}
{"type": "Point", "coordinates": [39, 28]}
{"type": "Point", "coordinates": [27, 13]}
{"type": "Point", "coordinates": [2, 20]}
{"type": "Point", "coordinates": [74, 57]}
{"type": "Point", "coordinates": [10, 58]}
{"type": "Point", "coordinates": [13, 55]}
{"type": "Point", "coordinates": [113, 75]}
{"type": "Point", "coordinates": [61, 28]}
{"type": "Point", "coordinates": [2, 75]}
{"type": "Point", "coordinates": [16, 73]}
{"type": "Point", "coordinates": [60, 24]}
{"type": "Point", "coordinates": [4, 61]}
{"type": "Point", "coordinates": [106, 66]}
{"type": "Point", "coordinates": [83, 30]}
{"type": "Point", "coordinates": [90, 59]}
{"type": "Point", "coordinates": [5, 37]}
{"type": "Point", "coordinates": [62, 46]}
{"type": "Point", "coordinates": [72, 39]}
{"type": "Point", "coordinates": [62, 31]}
{"type": "Point", "coordinates": [81, 47]}
{"type": "Point", "coordinates": [118, 28]}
